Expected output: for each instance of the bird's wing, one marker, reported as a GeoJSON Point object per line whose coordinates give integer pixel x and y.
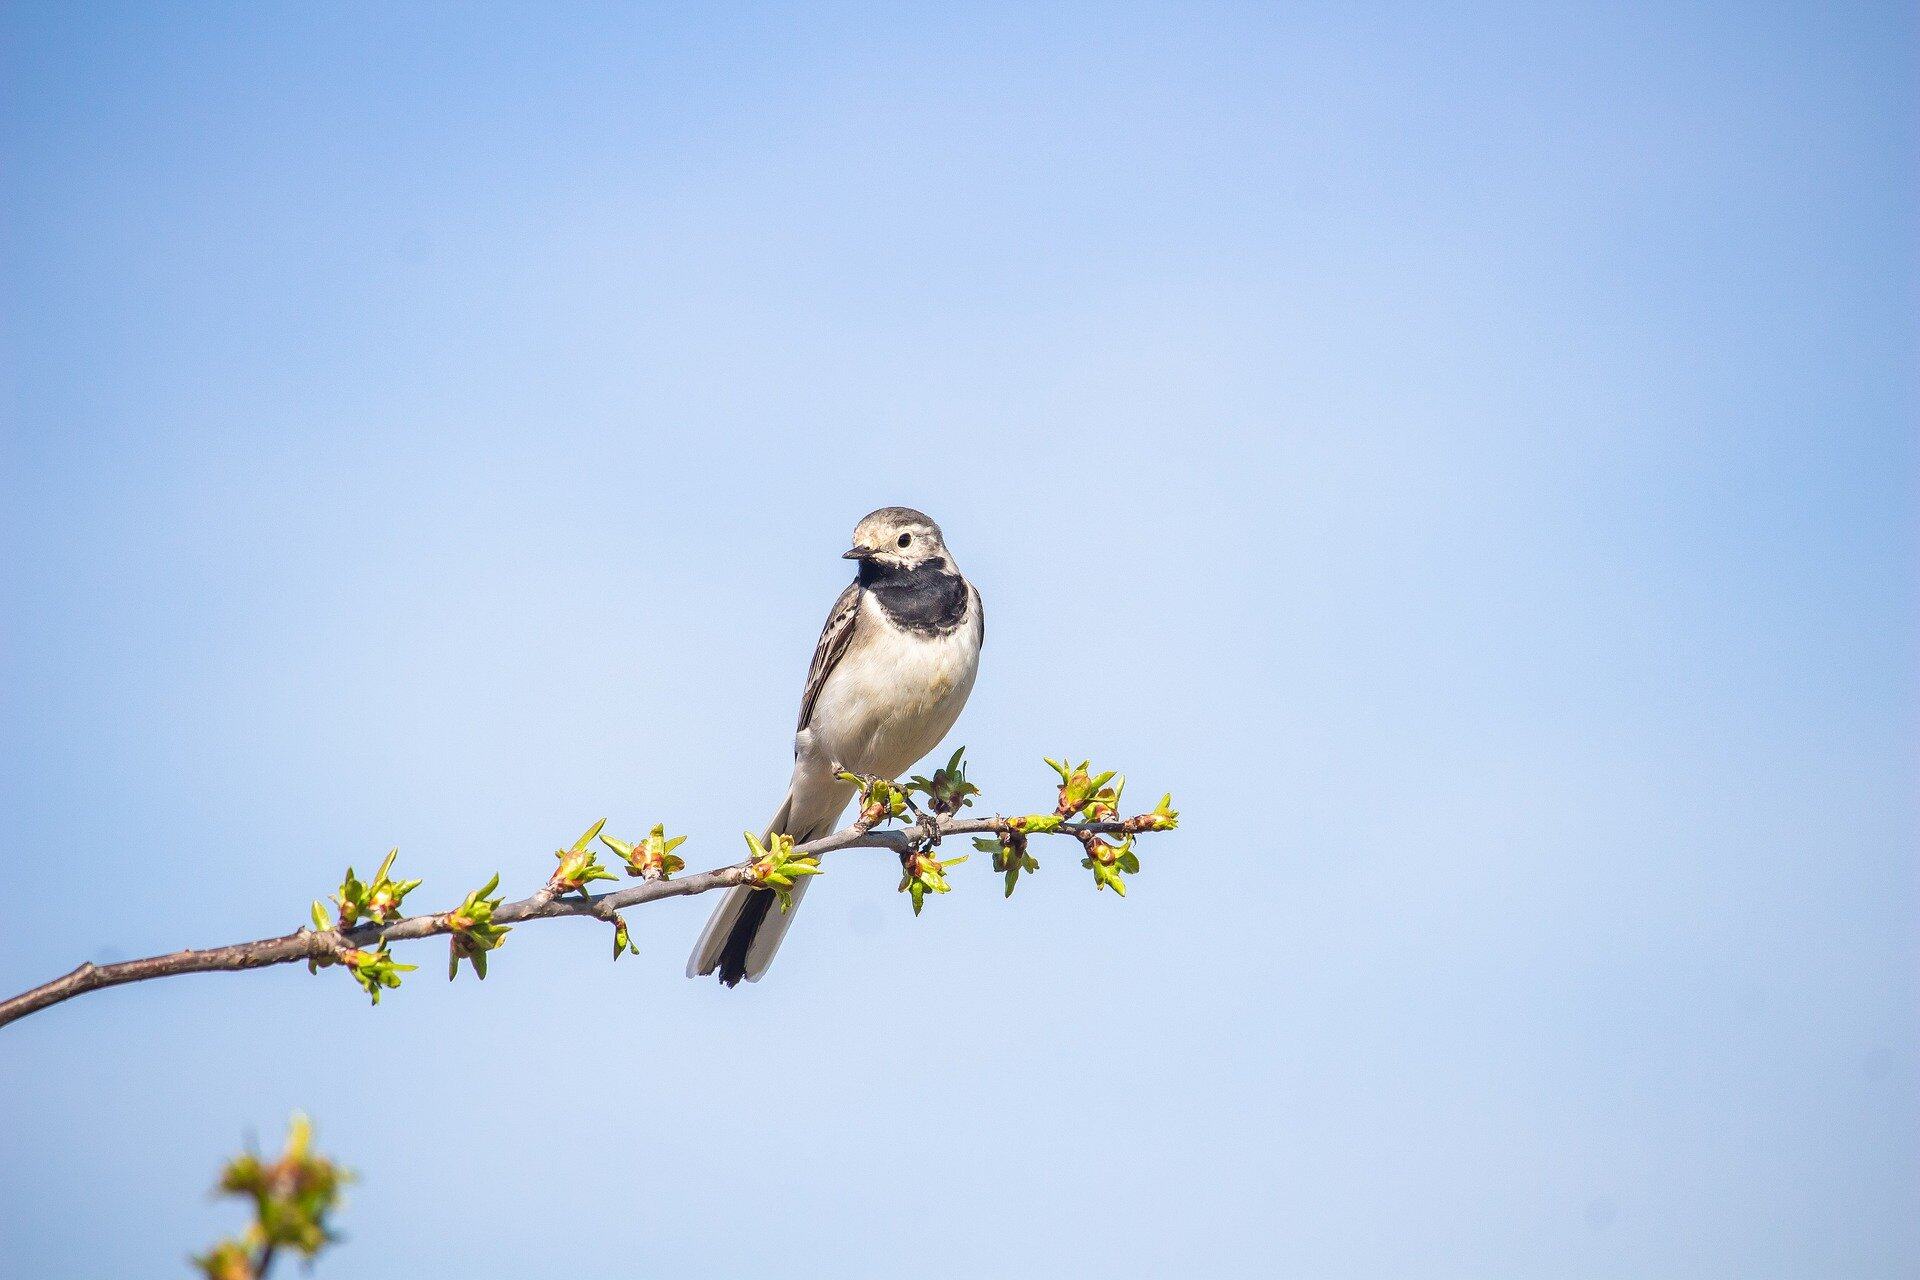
{"type": "Point", "coordinates": [834, 639]}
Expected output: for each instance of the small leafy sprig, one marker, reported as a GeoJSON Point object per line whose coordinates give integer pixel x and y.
{"type": "Point", "coordinates": [1009, 850]}
{"type": "Point", "coordinates": [1084, 796]}
{"type": "Point", "coordinates": [881, 799]}
{"type": "Point", "coordinates": [473, 932]}
{"type": "Point", "coordinates": [228, 1260]}
{"type": "Point", "coordinates": [1091, 797]}
{"type": "Point", "coordinates": [1109, 862]}
{"type": "Point", "coordinates": [622, 940]}
{"type": "Point", "coordinates": [774, 866]}
{"type": "Point", "coordinates": [921, 873]}
{"type": "Point", "coordinates": [377, 900]}
{"type": "Point", "coordinates": [292, 1198]}
{"type": "Point", "coordinates": [1164, 817]}
{"type": "Point", "coordinates": [1105, 804]}
{"type": "Point", "coordinates": [579, 865]}
{"type": "Point", "coordinates": [948, 790]}
{"type": "Point", "coordinates": [652, 858]}
{"type": "Point", "coordinates": [1080, 790]}
{"type": "Point", "coordinates": [374, 969]}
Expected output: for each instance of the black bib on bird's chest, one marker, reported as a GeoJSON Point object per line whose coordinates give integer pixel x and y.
{"type": "Point", "coordinates": [929, 599]}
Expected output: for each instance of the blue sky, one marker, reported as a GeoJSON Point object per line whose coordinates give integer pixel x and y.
{"type": "Point", "coordinates": [1467, 458]}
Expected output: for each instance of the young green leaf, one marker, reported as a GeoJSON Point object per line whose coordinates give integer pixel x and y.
{"type": "Point", "coordinates": [473, 932]}
{"type": "Point", "coordinates": [921, 873]}
{"type": "Point", "coordinates": [1010, 856]}
{"type": "Point", "coordinates": [1110, 863]}
{"type": "Point", "coordinates": [880, 798]}
{"type": "Point", "coordinates": [375, 970]}
{"type": "Point", "coordinates": [775, 866]}
{"type": "Point", "coordinates": [653, 857]}
{"type": "Point", "coordinates": [948, 790]}
{"type": "Point", "coordinates": [378, 900]}
{"type": "Point", "coordinates": [622, 943]}
{"type": "Point", "coordinates": [579, 865]}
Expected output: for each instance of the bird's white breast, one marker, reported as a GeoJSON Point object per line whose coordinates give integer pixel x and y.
{"type": "Point", "coordinates": [895, 694]}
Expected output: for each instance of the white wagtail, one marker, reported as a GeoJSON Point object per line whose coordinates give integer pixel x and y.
{"type": "Point", "coordinates": [894, 665]}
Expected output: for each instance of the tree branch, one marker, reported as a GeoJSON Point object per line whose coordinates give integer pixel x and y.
{"type": "Point", "coordinates": [326, 946]}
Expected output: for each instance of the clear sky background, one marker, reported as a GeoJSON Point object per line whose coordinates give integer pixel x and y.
{"type": "Point", "coordinates": [1468, 459]}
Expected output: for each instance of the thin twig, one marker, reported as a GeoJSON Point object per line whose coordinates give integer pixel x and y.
{"type": "Point", "coordinates": [307, 944]}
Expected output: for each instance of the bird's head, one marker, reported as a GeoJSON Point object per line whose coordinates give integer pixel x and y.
{"type": "Point", "coordinates": [897, 538]}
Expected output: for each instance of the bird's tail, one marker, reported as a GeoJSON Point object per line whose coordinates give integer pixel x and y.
{"type": "Point", "coordinates": [746, 928]}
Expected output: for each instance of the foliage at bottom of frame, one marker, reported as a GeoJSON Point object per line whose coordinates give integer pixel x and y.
{"type": "Point", "coordinates": [292, 1196]}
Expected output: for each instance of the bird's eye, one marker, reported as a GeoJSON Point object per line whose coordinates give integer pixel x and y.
{"type": "Point", "coordinates": [905, 538]}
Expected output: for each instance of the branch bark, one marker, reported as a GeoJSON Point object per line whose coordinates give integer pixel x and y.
{"type": "Point", "coordinates": [308, 944]}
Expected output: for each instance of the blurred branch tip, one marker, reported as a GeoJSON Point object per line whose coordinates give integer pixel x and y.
{"type": "Point", "coordinates": [292, 1197]}
{"type": "Point", "coordinates": [910, 818]}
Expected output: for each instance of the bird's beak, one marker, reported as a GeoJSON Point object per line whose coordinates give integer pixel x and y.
{"type": "Point", "coordinates": [858, 553]}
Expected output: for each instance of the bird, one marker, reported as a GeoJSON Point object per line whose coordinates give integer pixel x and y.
{"type": "Point", "coordinates": [890, 674]}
